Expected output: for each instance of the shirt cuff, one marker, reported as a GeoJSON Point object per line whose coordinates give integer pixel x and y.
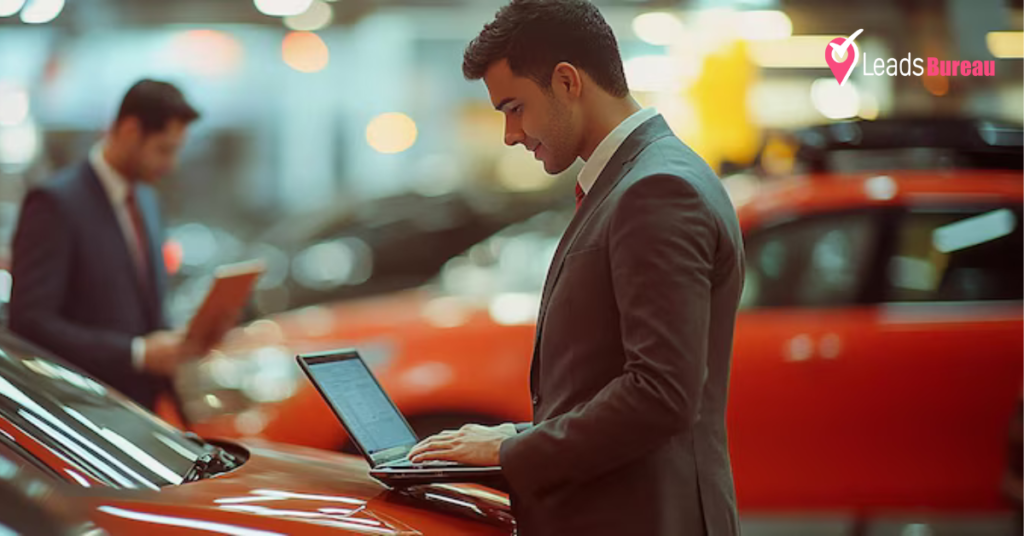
{"type": "Point", "coordinates": [139, 353]}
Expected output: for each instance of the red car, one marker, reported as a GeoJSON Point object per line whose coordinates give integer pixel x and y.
{"type": "Point", "coordinates": [92, 460]}
{"type": "Point", "coordinates": [877, 357]}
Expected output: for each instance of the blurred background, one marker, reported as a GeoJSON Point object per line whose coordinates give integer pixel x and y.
{"type": "Point", "coordinates": [313, 108]}
{"type": "Point", "coordinates": [340, 144]}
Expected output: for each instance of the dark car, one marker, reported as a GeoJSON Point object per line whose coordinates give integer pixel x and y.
{"type": "Point", "coordinates": [349, 250]}
{"type": "Point", "coordinates": [378, 246]}
{"type": "Point", "coordinates": [901, 143]}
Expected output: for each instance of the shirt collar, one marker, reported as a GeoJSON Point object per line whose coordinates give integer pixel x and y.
{"type": "Point", "coordinates": [116, 186]}
{"type": "Point", "coordinates": [606, 149]}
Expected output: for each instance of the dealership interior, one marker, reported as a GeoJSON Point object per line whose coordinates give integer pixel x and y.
{"type": "Point", "coordinates": [877, 368]}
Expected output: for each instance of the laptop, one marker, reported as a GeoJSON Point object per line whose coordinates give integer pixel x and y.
{"type": "Point", "coordinates": [376, 426]}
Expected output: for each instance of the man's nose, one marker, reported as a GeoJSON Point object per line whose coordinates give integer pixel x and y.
{"type": "Point", "coordinates": [513, 135]}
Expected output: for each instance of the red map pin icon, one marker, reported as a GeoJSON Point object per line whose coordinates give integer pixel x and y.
{"type": "Point", "coordinates": [841, 69]}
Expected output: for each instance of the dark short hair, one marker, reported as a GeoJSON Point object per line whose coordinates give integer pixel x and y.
{"type": "Point", "coordinates": [536, 35]}
{"type": "Point", "coordinates": [155, 104]}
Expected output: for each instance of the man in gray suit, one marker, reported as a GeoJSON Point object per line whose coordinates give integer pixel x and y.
{"type": "Point", "coordinates": [630, 368]}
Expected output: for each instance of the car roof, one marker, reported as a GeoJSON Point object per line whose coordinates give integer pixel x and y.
{"type": "Point", "coordinates": [969, 142]}
{"type": "Point", "coordinates": [800, 195]}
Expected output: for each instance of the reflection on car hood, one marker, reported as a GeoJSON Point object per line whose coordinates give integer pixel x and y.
{"type": "Point", "coordinates": [284, 490]}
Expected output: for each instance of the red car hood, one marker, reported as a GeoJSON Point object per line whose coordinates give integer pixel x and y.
{"type": "Point", "coordinates": [286, 490]}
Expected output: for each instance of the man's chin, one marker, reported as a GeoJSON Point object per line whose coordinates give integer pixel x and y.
{"type": "Point", "coordinates": [554, 168]}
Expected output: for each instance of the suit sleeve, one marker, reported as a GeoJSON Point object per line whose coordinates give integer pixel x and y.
{"type": "Point", "coordinates": [661, 246]}
{"type": "Point", "coordinates": [41, 269]}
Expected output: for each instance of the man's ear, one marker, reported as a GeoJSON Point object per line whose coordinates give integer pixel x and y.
{"type": "Point", "coordinates": [567, 79]}
{"type": "Point", "coordinates": [129, 128]}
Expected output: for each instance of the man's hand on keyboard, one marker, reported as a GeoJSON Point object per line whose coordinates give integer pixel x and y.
{"type": "Point", "coordinates": [471, 445]}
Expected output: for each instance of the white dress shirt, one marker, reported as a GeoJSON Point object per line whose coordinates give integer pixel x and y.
{"type": "Point", "coordinates": [118, 188]}
{"type": "Point", "coordinates": [606, 149]}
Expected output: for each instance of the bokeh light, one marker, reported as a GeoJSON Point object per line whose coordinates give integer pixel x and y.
{"type": "Point", "coordinates": [173, 255]}
{"type": "Point", "coordinates": [1005, 45]}
{"type": "Point", "coordinates": [282, 8]}
{"type": "Point", "coordinates": [653, 73]}
{"type": "Point", "coordinates": [19, 146]}
{"type": "Point", "coordinates": [658, 28]}
{"type": "Point", "coordinates": [305, 52]}
{"type": "Point", "coordinates": [14, 105]}
{"type": "Point", "coordinates": [205, 52]}
{"type": "Point", "coordinates": [835, 101]}
{"type": "Point", "coordinates": [936, 85]}
{"type": "Point", "coordinates": [519, 171]}
{"type": "Point", "coordinates": [10, 7]}
{"type": "Point", "coordinates": [868, 107]}
{"type": "Point", "coordinates": [391, 133]}
{"type": "Point", "coordinates": [318, 16]}
{"type": "Point", "coordinates": [764, 25]}
{"type": "Point", "coordinates": [796, 52]}
{"type": "Point", "coordinates": [41, 11]}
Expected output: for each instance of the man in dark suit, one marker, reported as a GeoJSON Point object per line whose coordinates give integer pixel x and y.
{"type": "Point", "coordinates": [634, 338]}
{"type": "Point", "coordinates": [89, 276]}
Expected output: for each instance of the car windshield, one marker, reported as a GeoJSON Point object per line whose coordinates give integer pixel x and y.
{"type": "Point", "coordinates": [88, 423]}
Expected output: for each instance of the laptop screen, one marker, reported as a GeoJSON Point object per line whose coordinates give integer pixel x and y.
{"type": "Point", "coordinates": [368, 414]}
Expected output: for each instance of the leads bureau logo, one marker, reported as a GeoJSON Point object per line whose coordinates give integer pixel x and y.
{"type": "Point", "coordinates": [841, 55]}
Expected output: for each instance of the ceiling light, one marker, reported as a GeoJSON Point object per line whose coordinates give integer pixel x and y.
{"type": "Point", "coordinates": [282, 8]}
{"type": "Point", "coordinates": [318, 16]}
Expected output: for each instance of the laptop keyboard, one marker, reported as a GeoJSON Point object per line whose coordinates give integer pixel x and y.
{"type": "Point", "coordinates": [428, 463]}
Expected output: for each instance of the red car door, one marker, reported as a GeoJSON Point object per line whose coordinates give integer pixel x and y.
{"type": "Point", "coordinates": [877, 362]}
{"type": "Point", "coordinates": [796, 410]}
{"type": "Point", "coordinates": [950, 335]}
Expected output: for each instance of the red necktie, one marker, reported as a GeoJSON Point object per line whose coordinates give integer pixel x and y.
{"type": "Point", "coordinates": [141, 240]}
{"type": "Point", "coordinates": [579, 196]}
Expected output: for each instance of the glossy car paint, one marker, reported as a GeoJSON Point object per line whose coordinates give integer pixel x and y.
{"type": "Point", "coordinates": [906, 410]}
{"type": "Point", "coordinates": [280, 490]}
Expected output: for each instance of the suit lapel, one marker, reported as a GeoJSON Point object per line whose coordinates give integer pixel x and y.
{"type": "Point", "coordinates": [110, 229]}
{"type": "Point", "coordinates": [618, 167]}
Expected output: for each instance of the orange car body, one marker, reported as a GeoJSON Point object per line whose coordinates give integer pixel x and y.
{"type": "Point", "coordinates": [279, 490]}
{"type": "Point", "coordinates": [90, 458]}
{"type": "Point", "coordinates": [867, 407]}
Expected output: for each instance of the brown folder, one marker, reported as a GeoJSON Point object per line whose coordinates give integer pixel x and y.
{"type": "Point", "coordinates": [230, 291]}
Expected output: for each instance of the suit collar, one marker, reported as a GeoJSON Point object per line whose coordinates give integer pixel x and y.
{"type": "Point", "coordinates": [618, 166]}
{"type": "Point", "coordinates": [116, 186]}
{"type": "Point", "coordinates": [605, 150]}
